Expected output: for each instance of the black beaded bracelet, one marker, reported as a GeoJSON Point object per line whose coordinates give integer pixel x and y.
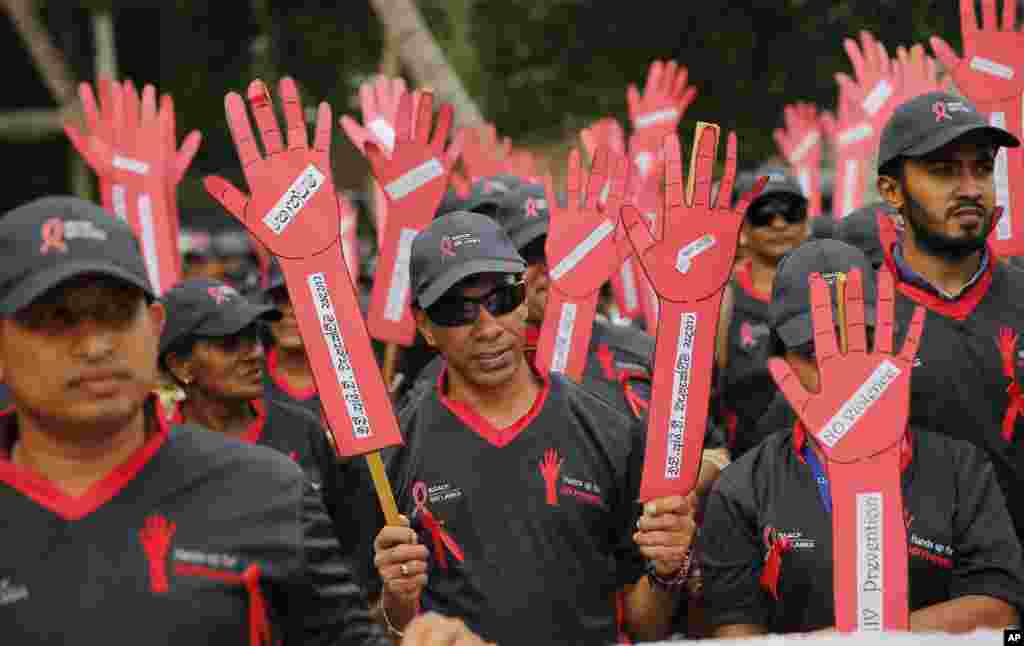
{"type": "Point", "coordinates": [676, 581]}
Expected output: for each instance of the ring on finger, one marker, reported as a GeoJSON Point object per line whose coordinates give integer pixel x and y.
{"type": "Point", "coordinates": [404, 569]}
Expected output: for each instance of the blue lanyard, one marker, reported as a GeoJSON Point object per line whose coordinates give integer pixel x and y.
{"type": "Point", "coordinates": [819, 476]}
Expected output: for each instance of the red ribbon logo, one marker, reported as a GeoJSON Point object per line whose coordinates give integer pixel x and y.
{"type": "Point", "coordinates": [440, 538]}
{"type": "Point", "coordinates": [53, 236]}
{"type": "Point", "coordinates": [531, 208]}
{"type": "Point", "coordinates": [1015, 398]}
{"type": "Point", "coordinates": [939, 108]}
{"type": "Point", "coordinates": [447, 248]}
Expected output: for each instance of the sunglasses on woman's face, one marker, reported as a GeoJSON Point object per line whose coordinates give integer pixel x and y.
{"type": "Point", "coordinates": [454, 309]}
{"type": "Point", "coordinates": [765, 215]}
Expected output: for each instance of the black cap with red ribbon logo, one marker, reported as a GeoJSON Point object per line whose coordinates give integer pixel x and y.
{"type": "Point", "coordinates": [54, 239]}
{"type": "Point", "coordinates": [209, 308]}
{"type": "Point", "coordinates": [454, 247]}
{"type": "Point", "coordinates": [930, 121]}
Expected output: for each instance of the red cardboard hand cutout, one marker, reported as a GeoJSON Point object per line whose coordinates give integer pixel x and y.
{"type": "Point", "coordinates": [625, 283]}
{"type": "Point", "coordinates": [349, 230]}
{"type": "Point", "coordinates": [657, 112]}
{"type": "Point", "coordinates": [293, 211]}
{"type": "Point", "coordinates": [874, 90]}
{"type": "Point", "coordinates": [482, 155]}
{"type": "Point", "coordinates": [689, 266]}
{"type": "Point", "coordinates": [915, 73]}
{"type": "Point", "coordinates": [178, 160]}
{"type": "Point", "coordinates": [414, 178]}
{"type": "Point", "coordinates": [131, 155]}
{"type": "Point", "coordinates": [581, 255]}
{"type": "Point", "coordinates": [991, 74]}
{"type": "Point", "coordinates": [379, 103]}
{"type": "Point", "coordinates": [858, 418]}
{"type": "Point", "coordinates": [800, 144]}
{"type": "Point", "coordinates": [854, 141]}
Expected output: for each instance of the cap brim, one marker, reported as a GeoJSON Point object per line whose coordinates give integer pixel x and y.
{"type": "Point", "coordinates": [34, 286]}
{"type": "Point", "coordinates": [799, 330]}
{"type": "Point", "coordinates": [527, 234]}
{"type": "Point", "coordinates": [458, 272]}
{"type": "Point", "coordinates": [776, 191]}
{"type": "Point", "coordinates": [999, 136]}
{"type": "Point", "coordinates": [236, 320]}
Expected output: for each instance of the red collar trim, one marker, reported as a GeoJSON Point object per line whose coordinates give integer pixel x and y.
{"type": "Point", "coordinates": [959, 309]}
{"type": "Point", "coordinates": [252, 434]}
{"type": "Point", "coordinates": [532, 337]}
{"type": "Point", "coordinates": [906, 445]}
{"type": "Point", "coordinates": [480, 425]}
{"type": "Point", "coordinates": [282, 382]}
{"type": "Point", "coordinates": [745, 279]}
{"type": "Point", "coordinates": [48, 495]}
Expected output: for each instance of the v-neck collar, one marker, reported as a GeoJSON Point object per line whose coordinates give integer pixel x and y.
{"type": "Point", "coordinates": [279, 379]}
{"type": "Point", "coordinates": [46, 494]}
{"type": "Point", "coordinates": [498, 437]}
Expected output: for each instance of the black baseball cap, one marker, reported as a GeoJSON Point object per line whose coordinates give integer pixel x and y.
{"type": "Point", "coordinates": [791, 293]}
{"type": "Point", "coordinates": [860, 229]}
{"type": "Point", "coordinates": [205, 307]}
{"type": "Point", "coordinates": [454, 247]}
{"type": "Point", "coordinates": [524, 214]}
{"type": "Point", "coordinates": [53, 239]}
{"type": "Point", "coordinates": [779, 185]}
{"type": "Point", "coordinates": [929, 122]}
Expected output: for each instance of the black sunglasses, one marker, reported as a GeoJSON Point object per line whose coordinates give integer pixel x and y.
{"type": "Point", "coordinates": [764, 214]}
{"type": "Point", "coordinates": [454, 309]}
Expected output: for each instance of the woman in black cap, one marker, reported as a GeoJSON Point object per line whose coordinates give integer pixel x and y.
{"type": "Point", "coordinates": [212, 346]}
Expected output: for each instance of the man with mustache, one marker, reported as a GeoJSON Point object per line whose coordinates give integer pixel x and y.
{"type": "Point", "coordinates": [936, 168]}
{"type": "Point", "coordinates": [521, 487]}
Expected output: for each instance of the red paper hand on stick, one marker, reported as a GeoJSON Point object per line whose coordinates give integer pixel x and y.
{"type": "Point", "coordinates": [874, 90]}
{"type": "Point", "coordinates": [482, 155]}
{"type": "Point", "coordinates": [991, 74]}
{"type": "Point", "coordinates": [915, 73]}
{"type": "Point", "coordinates": [689, 266]}
{"type": "Point", "coordinates": [657, 111]}
{"type": "Point", "coordinates": [379, 103]}
{"type": "Point", "coordinates": [626, 285]}
{"type": "Point", "coordinates": [132, 157]}
{"type": "Point", "coordinates": [581, 255]}
{"type": "Point", "coordinates": [854, 141]}
{"type": "Point", "coordinates": [293, 211]}
{"type": "Point", "coordinates": [800, 143]}
{"type": "Point", "coordinates": [859, 418]}
{"type": "Point", "coordinates": [414, 178]}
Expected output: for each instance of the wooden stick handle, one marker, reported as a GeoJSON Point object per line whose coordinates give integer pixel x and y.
{"type": "Point", "coordinates": [692, 169]}
{"type": "Point", "coordinates": [383, 488]}
{"type": "Point", "coordinates": [841, 311]}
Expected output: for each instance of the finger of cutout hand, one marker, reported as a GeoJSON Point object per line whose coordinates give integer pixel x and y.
{"type": "Point", "coordinates": [263, 111]}
{"type": "Point", "coordinates": [724, 199]}
{"type": "Point", "coordinates": [675, 185]}
{"type": "Point", "coordinates": [322, 136]}
{"type": "Point", "coordinates": [294, 118]}
{"type": "Point", "coordinates": [789, 384]}
{"type": "Point", "coordinates": [856, 335]}
{"type": "Point", "coordinates": [241, 132]}
{"type": "Point", "coordinates": [885, 313]}
{"type": "Point", "coordinates": [822, 321]}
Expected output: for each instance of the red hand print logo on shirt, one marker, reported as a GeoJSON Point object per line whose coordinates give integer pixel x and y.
{"type": "Point", "coordinates": [447, 247]}
{"type": "Point", "coordinates": [549, 468]}
{"type": "Point", "coordinates": [155, 537]}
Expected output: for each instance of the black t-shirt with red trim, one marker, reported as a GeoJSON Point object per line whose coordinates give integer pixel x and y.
{"type": "Point", "coordinates": [293, 431]}
{"type": "Point", "coordinates": [196, 539]}
{"type": "Point", "coordinates": [277, 387]}
{"type": "Point", "coordinates": [766, 515]}
{"type": "Point", "coordinates": [530, 527]}
{"type": "Point", "coordinates": [5, 398]}
{"type": "Point", "coordinates": [746, 386]}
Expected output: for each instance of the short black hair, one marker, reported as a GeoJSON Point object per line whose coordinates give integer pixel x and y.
{"type": "Point", "coordinates": [893, 168]}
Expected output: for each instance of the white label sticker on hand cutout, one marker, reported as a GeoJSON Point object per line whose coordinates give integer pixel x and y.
{"type": "Point", "coordinates": [684, 259]}
{"type": "Point", "coordinates": [576, 256]}
{"type": "Point", "coordinates": [866, 396]}
{"type": "Point", "coordinates": [991, 67]}
{"type": "Point", "coordinates": [874, 101]}
{"type": "Point", "coordinates": [658, 116]}
{"type": "Point", "coordinates": [1001, 172]}
{"type": "Point", "coordinates": [563, 340]}
{"type": "Point", "coordinates": [298, 195]}
{"type": "Point", "coordinates": [681, 374]}
{"type": "Point", "coordinates": [398, 290]}
{"type": "Point", "coordinates": [870, 562]}
{"type": "Point", "coordinates": [384, 133]}
{"type": "Point", "coordinates": [344, 371]}
{"type": "Point", "coordinates": [414, 179]}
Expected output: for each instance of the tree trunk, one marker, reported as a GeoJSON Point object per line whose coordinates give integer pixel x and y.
{"type": "Point", "coordinates": [49, 60]}
{"type": "Point", "coordinates": [423, 57]}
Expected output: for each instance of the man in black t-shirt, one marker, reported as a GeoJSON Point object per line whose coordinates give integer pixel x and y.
{"type": "Point", "coordinates": [115, 526]}
{"type": "Point", "coordinates": [521, 487]}
{"type": "Point", "coordinates": [766, 547]}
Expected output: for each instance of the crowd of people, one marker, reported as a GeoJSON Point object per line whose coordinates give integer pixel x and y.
{"type": "Point", "coordinates": [168, 473]}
